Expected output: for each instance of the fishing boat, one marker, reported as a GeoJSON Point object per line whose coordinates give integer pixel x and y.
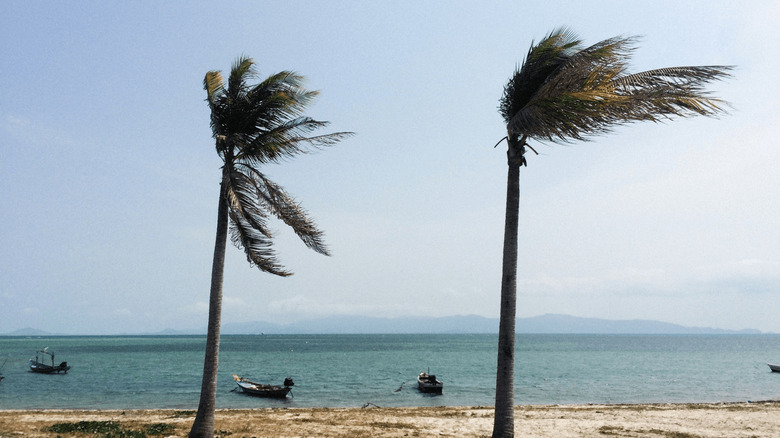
{"type": "Point", "coordinates": [263, 390]}
{"type": "Point", "coordinates": [775, 368]}
{"type": "Point", "coordinates": [428, 383]}
{"type": "Point", "coordinates": [39, 364]}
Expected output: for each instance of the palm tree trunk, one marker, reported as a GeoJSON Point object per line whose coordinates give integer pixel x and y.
{"type": "Point", "coordinates": [203, 426]}
{"type": "Point", "coordinates": [504, 420]}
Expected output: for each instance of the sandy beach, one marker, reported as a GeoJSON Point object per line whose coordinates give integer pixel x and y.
{"type": "Point", "coordinates": [757, 419]}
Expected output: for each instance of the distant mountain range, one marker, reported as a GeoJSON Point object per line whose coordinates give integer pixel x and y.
{"type": "Point", "coordinates": [552, 323]}
{"type": "Point", "coordinates": [549, 323]}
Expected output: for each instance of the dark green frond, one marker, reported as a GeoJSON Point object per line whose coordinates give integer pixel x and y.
{"type": "Point", "coordinates": [242, 71]}
{"type": "Point", "coordinates": [285, 82]}
{"type": "Point", "coordinates": [542, 59]}
{"type": "Point", "coordinates": [289, 139]}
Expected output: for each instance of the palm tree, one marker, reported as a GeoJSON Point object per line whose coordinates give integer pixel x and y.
{"type": "Point", "coordinates": [564, 92]}
{"type": "Point", "coordinates": [253, 125]}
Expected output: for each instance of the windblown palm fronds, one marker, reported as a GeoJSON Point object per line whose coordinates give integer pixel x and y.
{"type": "Point", "coordinates": [564, 92]}
{"type": "Point", "coordinates": [257, 125]}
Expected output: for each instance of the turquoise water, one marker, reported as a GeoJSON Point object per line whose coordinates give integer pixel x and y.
{"type": "Point", "coordinates": [350, 370]}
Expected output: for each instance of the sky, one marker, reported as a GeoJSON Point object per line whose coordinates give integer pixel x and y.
{"type": "Point", "coordinates": [110, 178]}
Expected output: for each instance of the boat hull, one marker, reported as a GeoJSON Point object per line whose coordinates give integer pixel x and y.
{"type": "Point", "coordinates": [269, 391]}
{"type": "Point", "coordinates": [429, 389]}
{"type": "Point", "coordinates": [42, 368]}
{"type": "Point", "coordinates": [774, 368]}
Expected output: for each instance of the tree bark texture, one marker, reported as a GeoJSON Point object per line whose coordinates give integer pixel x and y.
{"type": "Point", "coordinates": [503, 423]}
{"type": "Point", "coordinates": [203, 426]}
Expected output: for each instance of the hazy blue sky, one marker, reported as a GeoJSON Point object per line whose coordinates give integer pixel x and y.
{"type": "Point", "coordinates": [110, 179]}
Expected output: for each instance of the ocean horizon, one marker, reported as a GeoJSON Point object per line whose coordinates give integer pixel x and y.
{"type": "Point", "coordinates": [156, 372]}
{"type": "Point", "coordinates": [457, 324]}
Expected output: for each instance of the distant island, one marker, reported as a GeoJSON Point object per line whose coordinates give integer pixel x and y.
{"type": "Point", "coordinates": [549, 323]}
{"type": "Point", "coordinates": [28, 331]}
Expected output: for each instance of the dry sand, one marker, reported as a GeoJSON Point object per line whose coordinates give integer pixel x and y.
{"type": "Point", "coordinates": [758, 419]}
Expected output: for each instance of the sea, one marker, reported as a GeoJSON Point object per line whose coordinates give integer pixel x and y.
{"type": "Point", "coordinates": [164, 372]}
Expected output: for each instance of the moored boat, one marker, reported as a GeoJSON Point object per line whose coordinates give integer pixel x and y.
{"type": "Point", "coordinates": [428, 383]}
{"type": "Point", "coordinates": [39, 364]}
{"type": "Point", "coordinates": [263, 390]}
{"type": "Point", "coordinates": [775, 368]}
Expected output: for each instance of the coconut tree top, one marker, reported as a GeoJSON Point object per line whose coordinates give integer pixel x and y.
{"type": "Point", "coordinates": [565, 91]}
{"type": "Point", "coordinates": [255, 125]}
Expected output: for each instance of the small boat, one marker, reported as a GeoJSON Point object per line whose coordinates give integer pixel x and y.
{"type": "Point", "coordinates": [427, 383]}
{"type": "Point", "coordinates": [263, 390]}
{"type": "Point", "coordinates": [38, 363]}
{"type": "Point", "coordinates": [775, 368]}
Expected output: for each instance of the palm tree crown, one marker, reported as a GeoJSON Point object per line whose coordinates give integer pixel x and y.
{"type": "Point", "coordinates": [253, 126]}
{"type": "Point", "coordinates": [565, 92]}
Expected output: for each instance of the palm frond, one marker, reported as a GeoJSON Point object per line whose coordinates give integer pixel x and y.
{"type": "Point", "coordinates": [248, 224]}
{"type": "Point", "coordinates": [215, 87]}
{"type": "Point", "coordinates": [678, 91]}
{"type": "Point", "coordinates": [698, 75]}
{"type": "Point", "coordinates": [587, 92]}
{"type": "Point", "coordinates": [256, 245]}
{"type": "Point", "coordinates": [542, 59]}
{"type": "Point", "coordinates": [279, 98]}
{"type": "Point", "coordinates": [213, 84]}
{"type": "Point", "coordinates": [277, 201]}
{"type": "Point", "coordinates": [285, 82]}
{"type": "Point", "coordinates": [243, 200]}
{"type": "Point", "coordinates": [288, 139]}
{"type": "Point", "coordinates": [243, 70]}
